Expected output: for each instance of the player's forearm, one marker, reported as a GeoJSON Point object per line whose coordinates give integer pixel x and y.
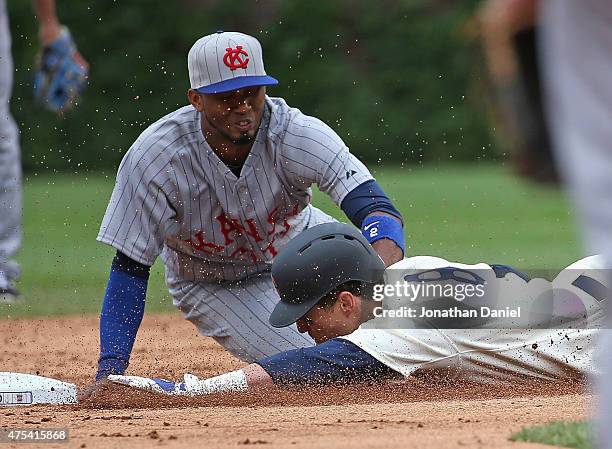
{"type": "Point", "coordinates": [252, 378]}
{"type": "Point", "coordinates": [369, 208]}
{"type": "Point", "coordinates": [335, 361]}
{"type": "Point", "coordinates": [387, 249]}
{"type": "Point", "coordinates": [49, 26]}
{"type": "Point", "coordinates": [500, 21]}
{"type": "Point", "coordinates": [257, 378]}
{"type": "Point", "coordinates": [122, 312]}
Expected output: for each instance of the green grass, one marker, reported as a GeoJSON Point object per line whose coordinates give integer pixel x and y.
{"type": "Point", "coordinates": [480, 213]}
{"type": "Point", "coordinates": [64, 268]}
{"type": "Point", "coordinates": [573, 434]}
{"type": "Point", "coordinates": [464, 213]}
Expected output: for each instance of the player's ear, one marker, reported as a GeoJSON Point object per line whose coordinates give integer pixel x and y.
{"type": "Point", "coordinates": [347, 301]}
{"type": "Point", "coordinates": [196, 100]}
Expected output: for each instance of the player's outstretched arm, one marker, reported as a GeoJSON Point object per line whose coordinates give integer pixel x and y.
{"type": "Point", "coordinates": [252, 378]}
{"type": "Point", "coordinates": [336, 361]}
{"type": "Point", "coordinates": [49, 25]}
{"type": "Point", "coordinates": [122, 312]}
{"type": "Point", "coordinates": [120, 318]}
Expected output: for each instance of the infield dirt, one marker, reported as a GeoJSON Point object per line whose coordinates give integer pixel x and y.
{"type": "Point", "coordinates": [420, 413]}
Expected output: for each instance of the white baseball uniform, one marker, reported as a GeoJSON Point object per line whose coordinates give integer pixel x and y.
{"type": "Point", "coordinates": [488, 354]}
{"type": "Point", "coordinates": [218, 233]}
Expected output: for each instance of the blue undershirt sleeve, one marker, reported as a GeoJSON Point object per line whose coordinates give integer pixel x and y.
{"type": "Point", "coordinates": [122, 312]}
{"type": "Point", "coordinates": [335, 361]}
{"type": "Point", "coordinates": [365, 199]}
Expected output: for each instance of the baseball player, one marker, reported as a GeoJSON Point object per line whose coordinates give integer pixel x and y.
{"type": "Point", "coordinates": [325, 278]}
{"type": "Point", "coordinates": [216, 189]}
{"type": "Point", "coordinates": [579, 106]}
{"type": "Point", "coordinates": [576, 53]}
{"type": "Point", "coordinates": [60, 77]}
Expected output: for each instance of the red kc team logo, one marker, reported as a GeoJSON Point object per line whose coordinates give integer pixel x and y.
{"type": "Point", "coordinates": [236, 58]}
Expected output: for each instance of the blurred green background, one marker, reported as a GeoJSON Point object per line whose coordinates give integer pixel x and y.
{"type": "Point", "coordinates": [401, 82]}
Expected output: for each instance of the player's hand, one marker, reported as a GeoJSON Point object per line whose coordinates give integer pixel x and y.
{"type": "Point", "coordinates": [61, 74]}
{"type": "Point", "coordinates": [94, 391]}
{"type": "Point", "coordinates": [156, 385]}
{"type": "Point", "coordinates": [104, 393]}
{"type": "Point", "coordinates": [190, 386]}
{"type": "Point", "coordinates": [100, 391]}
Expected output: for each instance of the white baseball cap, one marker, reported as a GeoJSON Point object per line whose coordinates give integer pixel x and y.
{"type": "Point", "coordinates": [226, 61]}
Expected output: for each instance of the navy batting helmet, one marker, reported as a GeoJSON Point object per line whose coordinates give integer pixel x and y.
{"type": "Point", "coordinates": [317, 261]}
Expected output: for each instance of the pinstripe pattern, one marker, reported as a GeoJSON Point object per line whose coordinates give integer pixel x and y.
{"type": "Point", "coordinates": [236, 316]}
{"type": "Point", "coordinates": [10, 160]}
{"type": "Point", "coordinates": [174, 198]}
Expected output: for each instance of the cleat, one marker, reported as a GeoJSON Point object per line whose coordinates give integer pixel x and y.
{"type": "Point", "coordinates": [9, 296]}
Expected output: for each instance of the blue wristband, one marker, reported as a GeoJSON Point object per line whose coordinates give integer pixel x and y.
{"type": "Point", "coordinates": [376, 227]}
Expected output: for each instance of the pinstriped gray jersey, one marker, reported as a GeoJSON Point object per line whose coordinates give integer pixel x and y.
{"type": "Point", "coordinates": [175, 198]}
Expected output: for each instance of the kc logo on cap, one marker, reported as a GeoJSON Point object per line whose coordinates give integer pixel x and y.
{"type": "Point", "coordinates": [233, 58]}
{"type": "Point", "coordinates": [226, 61]}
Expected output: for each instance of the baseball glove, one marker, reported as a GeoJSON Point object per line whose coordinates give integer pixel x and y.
{"type": "Point", "coordinates": [61, 74]}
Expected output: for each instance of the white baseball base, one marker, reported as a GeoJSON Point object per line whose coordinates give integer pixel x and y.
{"type": "Point", "coordinates": [28, 389]}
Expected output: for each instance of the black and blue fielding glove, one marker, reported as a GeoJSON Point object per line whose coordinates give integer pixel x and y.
{"type": "Point", "coordinates": [61, 74]}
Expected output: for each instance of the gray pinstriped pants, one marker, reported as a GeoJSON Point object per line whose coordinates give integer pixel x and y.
{"type": "Point", "coordinates": [10, 162]}
{"type": "Point", "coordinates": [576, 50]}
{"type": "Point", "coordinates": [236, 314]}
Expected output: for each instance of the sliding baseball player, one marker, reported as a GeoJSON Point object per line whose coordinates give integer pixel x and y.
{"type": "Point", "coordinates": [327, 279]}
